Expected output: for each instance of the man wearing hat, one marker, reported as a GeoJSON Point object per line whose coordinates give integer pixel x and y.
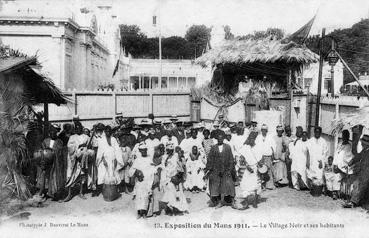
{"type": "Point", "coordinates": [178, 131]}
{"type": "Point", "coordinates": [279, 162]}
{"type": "Point", "coordinates": [167, 124]}
{"type": "Point", "coordinates": [265, 143]}
{"type": "Point", "coordinates": [169, 138]}
{"type": "Point", "coordinates": [361, 178]}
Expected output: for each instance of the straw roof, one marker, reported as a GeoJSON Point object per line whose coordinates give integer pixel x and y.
{"type": "Point", "coordinates": [39, 89]}
{"type": "Point", "coordinates": [359, 117]}
{"type": "Point", "coordinates": [263, 51]}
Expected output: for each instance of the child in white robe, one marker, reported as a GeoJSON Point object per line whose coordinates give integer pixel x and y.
{"type": "Point", "coordinates": [195, 171]}
{"type": "Point", "coordinates": [332, 178]}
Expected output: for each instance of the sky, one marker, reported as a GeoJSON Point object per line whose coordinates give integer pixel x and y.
{"type": "Point", "coordinates": [243, 16]}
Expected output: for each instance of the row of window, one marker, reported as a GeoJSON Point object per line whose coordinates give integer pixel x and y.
{"type": "Point", "coordinates": [152, 82]}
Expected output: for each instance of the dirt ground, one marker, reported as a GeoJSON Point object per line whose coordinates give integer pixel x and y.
{"type": "Point", "coordinates": [283, 212]}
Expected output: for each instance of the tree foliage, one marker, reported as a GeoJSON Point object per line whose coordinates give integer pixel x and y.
{"type": "Point", "coordinates": [353, 46]}
{"type": "Point", "coordinates": [174, 47]}
{"type": "Point", "coordinates": [273, 33]}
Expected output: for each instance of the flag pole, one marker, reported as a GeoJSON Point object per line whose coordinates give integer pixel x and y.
{"type": "Point", "coordinates": [160, 63]}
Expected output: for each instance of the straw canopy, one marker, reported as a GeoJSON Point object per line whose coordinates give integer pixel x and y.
{"type": "Point", "coordinates": [38, 88]}
{"type": "Point", "coordinates": [359, 117]}
{"type": "Point", "coordinates": [263, 51]}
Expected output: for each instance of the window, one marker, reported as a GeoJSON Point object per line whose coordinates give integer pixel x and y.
{"type": "Point", "coordinates": [327, 85]}
{"type": "Point", "coordinates": [181, 82]}
{"type": "Point", "coordinates": [145, 82]}
{"type": "Point", "coordinates": [135, 82]}
{"type": "Point", "coordinates": [191, 82]}
{"type": "Point", "coordinates": [154, 82]}
{"type": "Point", "coordinates": [164, 83]}
{"type": "Point", "coordinates": [172, 82]}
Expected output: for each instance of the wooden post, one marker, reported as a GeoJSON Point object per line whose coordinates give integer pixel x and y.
{"type": "Point", "coordinates": [46, 119]}
{"type": "Point", "coordinates": [290, 95]}
{"type": "Point", "coordinates": [321, 61]}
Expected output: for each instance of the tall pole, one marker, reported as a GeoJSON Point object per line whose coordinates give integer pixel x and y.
{"type": "Point", "coordinates": [317, 109]}
{"type": "Point", "coordinates": [160, 63]}
{"type": "Point", "coordinates": [332, 72]}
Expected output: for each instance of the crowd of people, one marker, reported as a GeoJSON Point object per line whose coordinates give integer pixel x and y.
{"type": "Point", "coordinates": [156, 161]}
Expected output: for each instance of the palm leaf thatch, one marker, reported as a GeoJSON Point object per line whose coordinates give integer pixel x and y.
{"type": "Point", "coordinates": [21, 87]}
{"type": "Point", "coordinates": [359, 117]}
{"type": "Point", "coordinates": [258, 51]}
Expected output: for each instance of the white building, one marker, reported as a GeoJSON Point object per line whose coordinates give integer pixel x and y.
{"type": "Point", "coordinates": [77, 42]}
{"type": "Point", "coordinates": [311, 75]}
{"type": "Point", "coordinates": [176, 74]}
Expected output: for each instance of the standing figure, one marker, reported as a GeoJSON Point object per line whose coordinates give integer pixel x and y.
{"type": "Point", "coordinates": [172, 183]}
{"type": "Point", "coordinates": [126, 185]}
{"type": "Point", "coordinates": [143, 171]}
{"type": "Point", "coordinates": [317, 156]}
{"type": "Point", "coordinates": [220, 169]}
{"type": "Point", "coordinates": [109, 161]}
{"type": "Point", "coordinates": [279, 162]}
{"type": "Point", "coordinates": [195, 165]}
{"type": "Point", "coordinates": [250, 185]}
{"type": "Point", "coordinates": [207, 143]}
{"type": "Point", "coordinates": [265, 143]}
{"type": "Point", "coordinates": [298, 156]}
{"type": "Point", "coordinates": [332, 178]}
{"type": "Point", "coordinates": [75, 173]}
{"type": "Point", "coordinates": [151, 142]}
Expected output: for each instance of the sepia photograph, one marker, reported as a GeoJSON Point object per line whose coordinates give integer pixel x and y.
{"type": "Point", "coordinates": [184, 118]}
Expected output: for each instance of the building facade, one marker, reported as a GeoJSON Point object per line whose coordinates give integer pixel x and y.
{"type": "Point", "coordinates": [77, 43]}
{"type": "Point", "coordinates": [176, 74]}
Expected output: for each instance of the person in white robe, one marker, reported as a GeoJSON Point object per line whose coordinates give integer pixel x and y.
{"type": "Point", "coordinates": [76, 148]}
{"type": "Point", "coordinates": [171, 184]}
{"type": "Point", "coordinates": [332, 178]}
{"type": "Point", "coordinates": [151, 142]}
{"type": "Point", "coordinates": [279, 159]}
{"type": "Point", "coordinates": [187, 144]}
{"type": "Point", "coordinates": [195, 165]}
{"type": "Point", "coordinates": [143, 170]}
{"type": "Point", "coordinates": [317, 156]}
{"type": "Point", "coordinates": [298, 155]}
{"type": "Point", "coordinates": [109, 159]}
{"type": "Point", "coordinates": [342, 157]}
{"type": "Point", "coordinates": [169, 139]}
{"type": "Point", "coordinates": [265, 143]}
{"type": "Point", "coordinates": [250, 183]}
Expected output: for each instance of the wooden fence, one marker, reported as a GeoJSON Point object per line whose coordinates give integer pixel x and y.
{"type": "Point", "coordinates": [99, 106]}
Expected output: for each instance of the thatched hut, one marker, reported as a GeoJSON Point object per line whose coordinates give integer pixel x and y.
{"type": "Point", "coordinates": [21, 87]}
{"type": "Point", "coordinates": [269, 64]}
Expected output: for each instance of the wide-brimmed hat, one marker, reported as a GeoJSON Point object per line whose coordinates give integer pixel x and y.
{"type": "Point", "coordinates": [279, 128]}
{"type": "Point", "coordinates": [157, 122]}
{"type": "Point", "coordinates": [174, 118]}
{"type": "Point", "coordinates": [142, 146]}
{"type": "Point", "coordinates": [167, 122]}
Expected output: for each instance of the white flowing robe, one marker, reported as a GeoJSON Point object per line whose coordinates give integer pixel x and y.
{"type": "Point", "coordinates": [74, 152]}
{"type": "Point", "coordinates": [265, 144]}
{"type": "Point", "coordinates": [318, 153]}
{"type": "Point", "coordinates": [187, 144]}
{"type": "Point", "coordinates": [151, 144]}
{"type": "Point", "coordinates": [342, 157]}
{"type": "Point", "coordinates": [165, 140]}
{"type": "Point", "coordinates": [250, 182]}
{"type": "Point", "coordinates": [195, 172]}
{"type": "Point", "coordinates": [298, 155]}
{"type": "Point", "coordinates": [143, 189]}
{"type": "Point", "coordinates": [109, 153]}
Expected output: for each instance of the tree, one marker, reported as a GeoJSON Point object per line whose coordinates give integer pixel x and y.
{"type": "Point", "coordinates": [133, 40]}
{"type": "Point", "coordinates": [198, 36]}
{"type": "Point", "coordinates": [227, 33]}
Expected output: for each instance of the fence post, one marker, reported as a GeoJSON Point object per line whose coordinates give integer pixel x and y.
{"type": "Point", "coordinates": [337, 116]}
{"type": "Point", "coordinates": [151, 103]}
{"type": "Point", "coordinates": [74, 96]}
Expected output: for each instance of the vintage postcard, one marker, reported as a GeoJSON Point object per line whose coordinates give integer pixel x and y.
{"type": "Point", "coordinates": [184, 118]}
